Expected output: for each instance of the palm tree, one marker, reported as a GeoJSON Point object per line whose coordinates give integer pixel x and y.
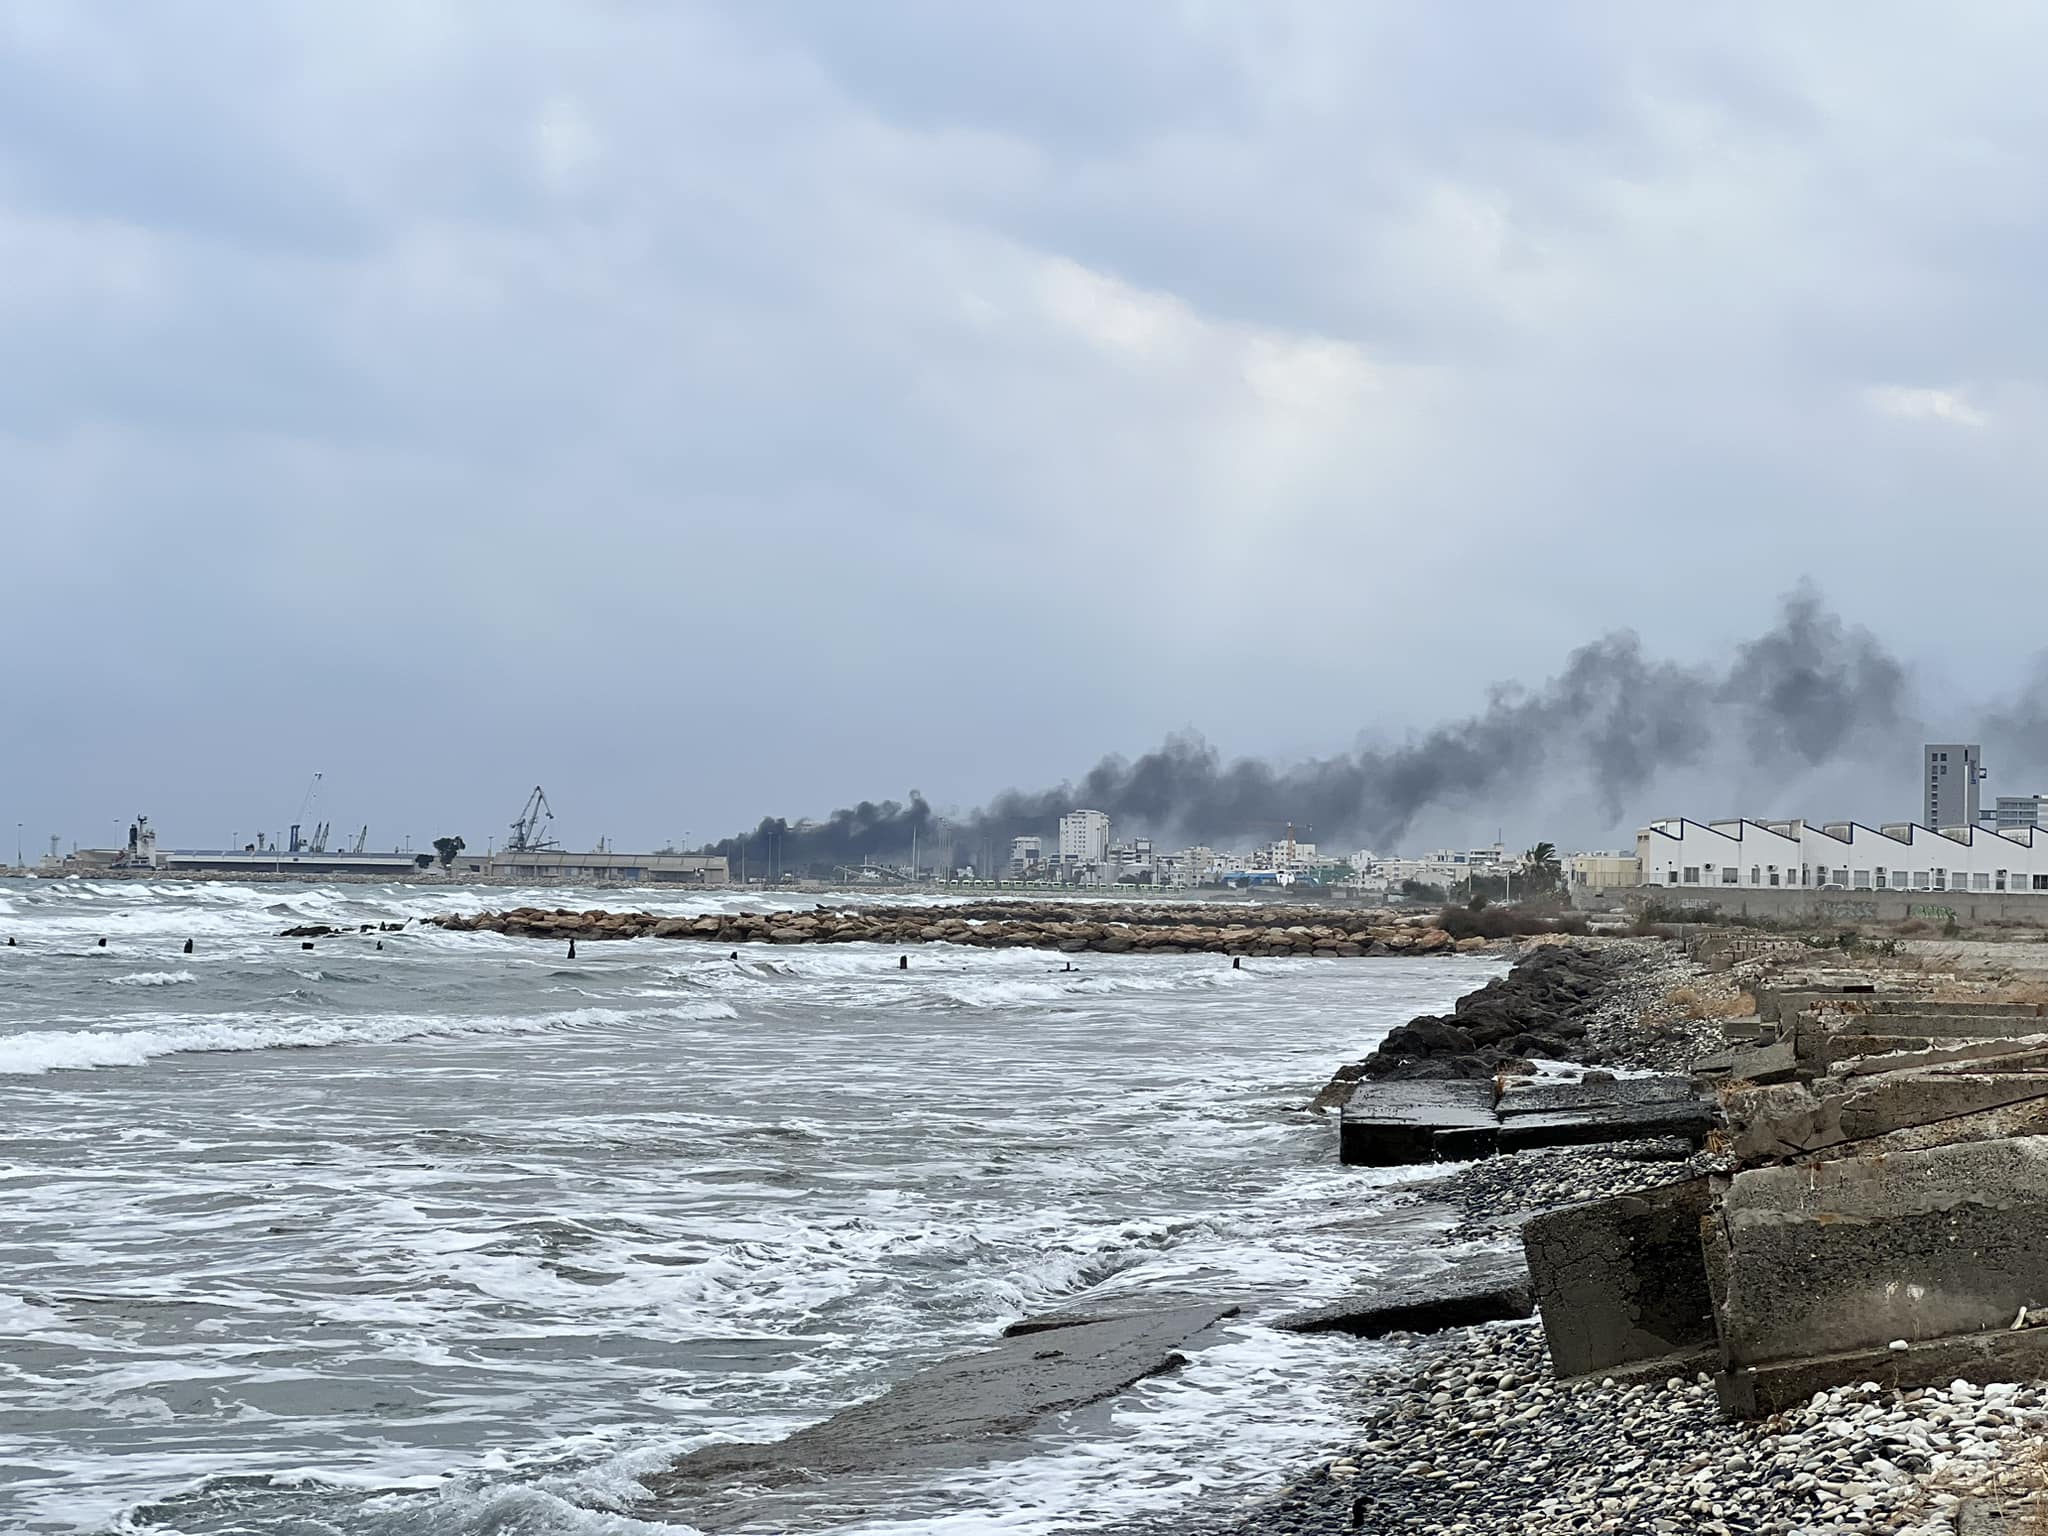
{"type": "Point", "coordinates": [1541, 867]}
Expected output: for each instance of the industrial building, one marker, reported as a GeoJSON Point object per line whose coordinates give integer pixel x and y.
{"type": "Point", "coordinates": [551, 866]}
{"type": "Point", "coordinates": [1841, 855]}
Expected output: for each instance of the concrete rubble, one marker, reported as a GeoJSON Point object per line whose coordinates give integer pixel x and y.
{"type": "Point", "coordinates": [1881, 1215]}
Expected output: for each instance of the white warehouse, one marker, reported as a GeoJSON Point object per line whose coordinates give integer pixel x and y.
{"type": "Point", "coordinates": [1840, 855]}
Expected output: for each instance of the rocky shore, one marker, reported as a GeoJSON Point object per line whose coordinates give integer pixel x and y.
{"type": "Point", "coordinates": [1158, 928]}
{"type": "Point", "coordinates": [1469, 1436]}
{"type": "Point", "coordinates": [1467, 1432]}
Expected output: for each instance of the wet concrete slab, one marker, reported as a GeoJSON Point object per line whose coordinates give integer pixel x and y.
{"type": "Point", "coordinates": [966, 1411]}
{"type": "Point", "coordinates": [1494, 1288]}
{"type": "Point", "coordinates": [1385, 1124]}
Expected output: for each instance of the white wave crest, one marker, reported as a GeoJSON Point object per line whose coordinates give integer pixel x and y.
{"type": "Point", "coordinates": [152, 979]}
{"type": "Point", "coordinates": [40, 1051]}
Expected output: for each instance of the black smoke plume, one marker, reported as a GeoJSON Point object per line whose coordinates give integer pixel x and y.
{"type": "Point", "coordinates": [1799, 696]}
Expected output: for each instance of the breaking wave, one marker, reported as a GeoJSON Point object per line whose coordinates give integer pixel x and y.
{"type": "Point", "coordinates": [36, 1052]}
{"type": "Point", "coordinates": [152, 979]}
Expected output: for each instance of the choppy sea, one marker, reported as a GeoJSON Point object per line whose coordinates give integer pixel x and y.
{"type": "Point", "coordinates": [461, 1237]}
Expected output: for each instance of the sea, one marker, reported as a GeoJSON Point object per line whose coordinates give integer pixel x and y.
{"type": "Point", "coordinates": [459, 1237]}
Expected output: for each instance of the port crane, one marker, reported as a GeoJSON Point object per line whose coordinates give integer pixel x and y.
{"type": "Point", "coordinates": [530, 831]}
{"type": "Point", "coordinates": [318, 842]}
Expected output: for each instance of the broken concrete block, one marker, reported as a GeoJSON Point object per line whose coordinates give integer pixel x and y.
{"type": "Point", "coordinates": [2024, 1053]}
{"type": "Point", "coordinates": [1849, 1254]}
{"type": "Point", "coordinates": [1622, 1279]}
{"type": "Point", "coordinates": [1764, 1063]}
{"type": "Point", "coordinates": [1489, 1290]}
{"type": "Point", "coordinates": [1387, 1123]}
{"type": "Point", "coordinates": [1780, 1120]}
{"type": "Point", "coordinates": [1688, 1118]}
{"type": "Point", "coordinates": [1884, 1104]}
{"type": "Point", "coordinates": [1750, 1391]}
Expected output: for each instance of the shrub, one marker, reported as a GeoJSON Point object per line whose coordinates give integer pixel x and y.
{"type": "Point", "coordinates": [1504, 922]}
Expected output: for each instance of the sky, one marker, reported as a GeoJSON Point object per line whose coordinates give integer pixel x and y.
{"type": "Point", "coordinates": [714, 410]}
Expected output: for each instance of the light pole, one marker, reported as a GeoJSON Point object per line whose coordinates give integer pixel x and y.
{"type": "Point", "coordinates": [17, 845]}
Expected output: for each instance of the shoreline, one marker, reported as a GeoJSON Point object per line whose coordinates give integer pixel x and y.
{"type": "Point", "coordinates": [1467, 1432]}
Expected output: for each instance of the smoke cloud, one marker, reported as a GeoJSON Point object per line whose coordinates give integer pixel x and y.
{"type": "Point", "coordinates": [1806, 693]}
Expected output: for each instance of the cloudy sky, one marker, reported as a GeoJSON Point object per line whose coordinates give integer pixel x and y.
{"type": "Point", "coordinates": [710, 410]}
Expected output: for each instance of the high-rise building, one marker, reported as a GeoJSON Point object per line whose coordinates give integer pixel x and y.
{"type": "Point", "coordinates": [1084, 838]}
{"type": "Point", "coordinates": [1950, 775]}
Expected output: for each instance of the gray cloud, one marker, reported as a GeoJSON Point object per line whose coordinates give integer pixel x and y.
{"type": "Point", "coordinates": [708, 408]}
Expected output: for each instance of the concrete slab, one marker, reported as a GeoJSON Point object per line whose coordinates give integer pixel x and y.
{"type": "Point", "coordinates": [1883, 1104]}
{"type": "Point", "coordinates": [1488, 1290]}
{"type": "Point", "coordinates": [1982, 1008]}
{"type": "Point", "coordinates": [1780, 1120]}
{"type": "Point", "coordinates": [1944, 1025]}
{"type": "Point", "coordinates": [1764, 1063]}
{"type": "Point", "coordinates": [966, 1411]}
{"type": "Point", "coordinates": [1622, 1279]}
{"type": "Point", "coordinates": [2028, 1117]}
{"type": "Point", "coordinates": [2002, 1354]}
{"type": "Point", "coordinates": [1602, 1092]}
{"type": "Point", "coordinates": [2026, 1051]}
{"type": "Point", "coordinates": [1852, 1253]}
{"type": "Point", "coordinates": [1692, 1119]}
{"type": "Point", "coordinates": [1384, 1124]}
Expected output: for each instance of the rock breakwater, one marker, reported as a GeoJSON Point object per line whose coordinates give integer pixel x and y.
{"type": "Point", "coordinates": [1099, 928]}
{"type": "Point", "coordinates": [1542, 1008]}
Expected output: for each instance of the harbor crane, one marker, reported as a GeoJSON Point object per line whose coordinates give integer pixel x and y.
{"type": "Point", "coordinates": [530, 831]}
{"type": "Point", "coordinates": [319, 842]}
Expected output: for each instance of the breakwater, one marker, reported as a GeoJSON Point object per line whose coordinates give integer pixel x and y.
{"type": "Point", "coordinates": [1098, 927]}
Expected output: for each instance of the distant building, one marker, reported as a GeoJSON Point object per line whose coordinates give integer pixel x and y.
{"type": "Point", "coordinates": [1288, 855]}
{"type": "Point", "coordinates": [1084, 839]}
{"type": "Point", "coordinates": [1026, 854]}
{"type": "Point", "coordinates": [2019, 811]}
{"type": "Point", "coordinates": [1950, 775]}
{"type": "Point", "coordinates": [544, 866]}
{"type": "Point", "coordinates": [1133, 863]}
{"type": "Point", "coordinates": [1446, 867]}
{"type": "Point", "coordinates": [1602, 871]}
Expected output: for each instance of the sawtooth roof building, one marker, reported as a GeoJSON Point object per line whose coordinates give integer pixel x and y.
{"type": "Point", "coordinates": [1840, 855]}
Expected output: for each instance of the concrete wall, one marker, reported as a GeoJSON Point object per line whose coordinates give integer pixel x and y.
{"type": "Point", "coordinates": [1850, 1255]}
{"type": "Point", "coordinates": [1826, 906]}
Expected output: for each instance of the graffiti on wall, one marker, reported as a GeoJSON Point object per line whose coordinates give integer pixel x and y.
{"type": "Point", "coordinates": [1849, 910]}
{"type": "Point", "coordinates": [1945, 914]}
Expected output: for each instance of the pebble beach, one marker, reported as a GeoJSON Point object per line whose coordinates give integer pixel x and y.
{"type": "Point", "coordinates": [1467, 1432]}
